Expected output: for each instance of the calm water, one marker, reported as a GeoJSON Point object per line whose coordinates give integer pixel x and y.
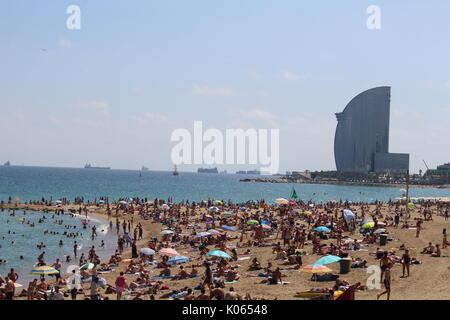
{"type": "Point", "coordinates": [33, 183]}
{"type": "Point", "coordinates": [20, 239]}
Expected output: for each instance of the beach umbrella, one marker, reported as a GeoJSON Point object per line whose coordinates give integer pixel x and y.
{"type": "Point", "coordinates": [168, 252]}
{"type": "Point", "coordinates": [148, 251]}
{"type": "Point", "coordinates": [202, 234]}
{"type": "Point", "coordinates": [322, 229]}
{"type": "Point", "coordinates": [315, 268]}
{"type": "Point", "coordinates": [218, 253]}
{"type": "Point", "coordinates": [164, 232]}
{"type": "Point", "coordinates": [58, 201]}
{"type": "Point", "coordinates": [327, 260]}
{"type": "Point", "coordinates": [123, 202]}
{"type": "Point", "coordinates": [379, 231]}
{"type": "Point", "coordinates": [102, 282]}
{"type": "Point", "coordinates": [218, 202]}
{"type": "Point", "coordinates": [165, 206]}
{"type": "Point", "coordinates": [87, 266]}
{"type": "Point", "coordinates": [228, 228]}
{"type": "Point", "coordinates": [411, 205]}
{"type": "Point", "coordinates": [281, 201]}
{"type": "Point", "coordinates": [228, 213]}
{"type": "Point", "coordinates": [213, 209]}
{"type": "Point", "coordinates": [252, 222]}
{"type": "Point", "coordinates": [291, 202]}
{"type": "Point", "coordinates": [44, 270]}
{"type": "Point", "coordinates": [177, 259]}
{"type": "Point", "coordinates": [213, 231]}
{"type": "Point", "coordinates": [381, 224]}
{"type": "Point", "coordinates": [368, 225]}
{"type": "Point", "coordinates": [266, 227]}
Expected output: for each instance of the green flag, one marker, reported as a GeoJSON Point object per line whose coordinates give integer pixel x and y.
{"type": "Point", "coordinates": [294, 194]}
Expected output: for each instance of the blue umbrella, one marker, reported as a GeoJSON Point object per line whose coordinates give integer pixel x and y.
{"type": "Point", "coordinates": [322, 229]}
{"type": "Point", "coordinates": [177, 259]}
{"type": "Point", "coordinates": [218, 253]}
{"type": "Point", "coordinates": [327, 260]}
{"type": "Point", "coordinates": [228, 228]}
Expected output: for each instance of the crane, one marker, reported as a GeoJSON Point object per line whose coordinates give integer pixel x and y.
{"type": "Point", "coordinates": [426, 165]}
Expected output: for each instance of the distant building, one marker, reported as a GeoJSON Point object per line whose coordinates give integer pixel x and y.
{"type": "Point", "coordinates": [442, 170]}
{"type": "Point", "coordinates": [362, 135]}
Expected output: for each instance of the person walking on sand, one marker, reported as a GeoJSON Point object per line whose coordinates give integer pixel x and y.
{"type": "Point", "coordinates": [121, 285]}
{"type": "Point", "coordinates": [387, 284]}
{"type": "Point", "coordinates": [406, 262]}
{"type": "Point", "coordinates": [444, 239]}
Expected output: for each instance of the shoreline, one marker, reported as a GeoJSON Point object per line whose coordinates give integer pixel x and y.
{"type": "Point", "coordinates": [346, 183]}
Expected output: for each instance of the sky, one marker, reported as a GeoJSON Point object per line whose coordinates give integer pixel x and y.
{"type": "Point", "coordinates": [112, 92]}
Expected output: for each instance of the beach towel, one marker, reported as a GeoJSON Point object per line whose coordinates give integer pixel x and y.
{"type": "Point", "coordinates": [228, 282]}
{"type": "Point", "coordinates": [161, 277]}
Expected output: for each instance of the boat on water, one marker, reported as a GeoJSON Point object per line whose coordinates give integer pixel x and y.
{"type": "Point", "coordinates": [207, 170]}
{"type": "Point", "coordinates": [144, 168]}
{"type": "Point", "coordinates": [89, 166]}
{"type": "Point", "coordinates": [249, 172]}
{"type": "Point", "coordinates": [175, 171]}
{"type": "Point", "coordinates": [7, 164]}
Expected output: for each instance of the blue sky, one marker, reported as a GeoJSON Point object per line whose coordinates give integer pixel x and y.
{"type": "Point", "coordinates": [112, 92]}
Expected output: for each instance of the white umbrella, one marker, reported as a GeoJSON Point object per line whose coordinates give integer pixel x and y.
{"type": "Point", "coordinates": [148, 251]}
{"type": "Point", "coordinates": [165, 207]}
{"type": "Point", "coordinates": [166, 232]}
{"type": "Point", "coordinates": [281, 201]}
{"type": "Point", "coordinates": [213, 209]}
{"type": "Point", "coordinates": [213, 231]}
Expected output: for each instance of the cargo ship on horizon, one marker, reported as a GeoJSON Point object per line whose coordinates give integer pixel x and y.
{"type": "Point", "coordinates": [88, 166]}
{"type": "Point", "coordinates": [207, 170]}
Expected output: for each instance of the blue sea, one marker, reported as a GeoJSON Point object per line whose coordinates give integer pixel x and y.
{"type": "Point", "coordinates": [33, 183]}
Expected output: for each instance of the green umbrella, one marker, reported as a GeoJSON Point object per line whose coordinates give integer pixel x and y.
{"type": "Point", "coordinates": [252, 222]}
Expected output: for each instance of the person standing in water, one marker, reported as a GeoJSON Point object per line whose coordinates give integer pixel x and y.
{"type": "Point", "coordinates": [75, 248]}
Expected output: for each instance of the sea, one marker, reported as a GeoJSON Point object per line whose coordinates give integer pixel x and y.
{"type": "Point", "coordinates": [34, 183]}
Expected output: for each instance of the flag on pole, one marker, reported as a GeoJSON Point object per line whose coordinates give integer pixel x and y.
{"type": "Point", "coordinates": [294, 194]}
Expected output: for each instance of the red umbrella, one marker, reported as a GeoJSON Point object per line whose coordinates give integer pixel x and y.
{"type": "Point", "coordinates": [292, 202]}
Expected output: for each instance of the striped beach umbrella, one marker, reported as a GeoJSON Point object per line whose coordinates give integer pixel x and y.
{"type": "Point", "coordinates": [228, 228]}
{"type": "Point", "coordinates": [313, 268]}
{"type": "Point", "coordinates": [44, 270]}
{"type": "Point", "coordinates": [87, 266]}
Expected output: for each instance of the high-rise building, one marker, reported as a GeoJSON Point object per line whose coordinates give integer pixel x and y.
{"type": "Point", "coordinates": [362, 135]}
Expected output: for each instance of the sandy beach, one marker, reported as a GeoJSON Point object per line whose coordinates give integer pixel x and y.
{"type": "Point", "coordinates": [432, 272]}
